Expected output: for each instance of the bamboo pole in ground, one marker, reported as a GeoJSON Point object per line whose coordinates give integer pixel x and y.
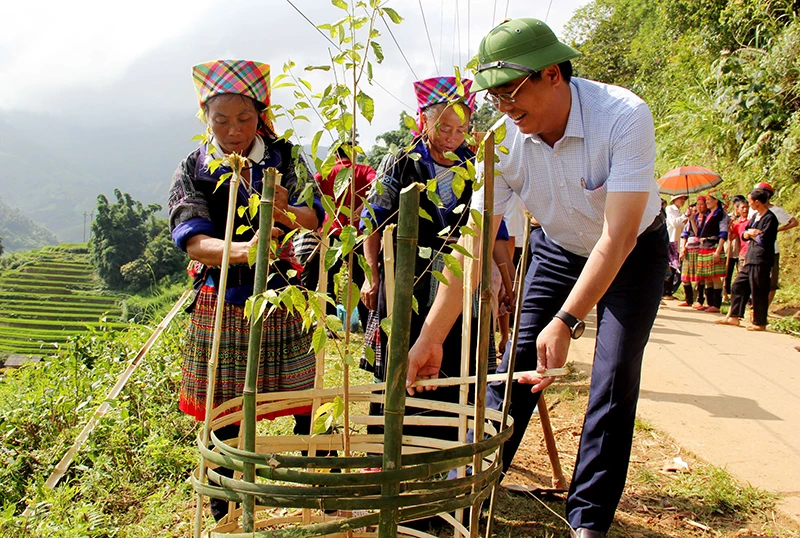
{"type": "Point", "coordinates": [237, 164]}
{"type": "Point", "coordinates": [484, 312]}
{"type": "Point", "coordinates": [265, 221]}
{"type": "Point", "coordinates": [397, 366]}
{"type": "Point", "coordinates": [319, 376]}
{"type": "Point", "coordinates": [63, 466]}
{"type": "Point", "coordinates": [466, 346]}
{"type": "Point", "coordinates": [512, 359]}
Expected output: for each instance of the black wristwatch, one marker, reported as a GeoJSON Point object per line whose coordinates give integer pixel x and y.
{"type": "Point", "coordinates": [576, 326]}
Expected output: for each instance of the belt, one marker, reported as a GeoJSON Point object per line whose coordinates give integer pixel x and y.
{"type": "Point", "coordinates": [658, 223]}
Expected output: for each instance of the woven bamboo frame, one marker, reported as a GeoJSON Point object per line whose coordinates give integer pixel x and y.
{"type": "Point", "coordinates": [411, 481]}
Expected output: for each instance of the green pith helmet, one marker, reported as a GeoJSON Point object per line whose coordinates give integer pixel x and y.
{"type": "Point", "coordinates": [517, 48]}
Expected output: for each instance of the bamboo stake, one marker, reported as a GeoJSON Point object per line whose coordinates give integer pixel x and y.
{"type": "Point", "coordinates": [397, 367]}
{"type": "Point", "coordinates": [319, 376]}
{"type": "Point", "coordinates": [512, 359]}
{"type": "Point", "coordinates": [388, 269]}
{"type": "Point", "coordinates": [63, 466]}
{"type": "Point", "coordinates": [265, 221]}
{"type": "Point", "coordinates": [484, 312]}
{"type": "Point", "coordinates": [238, 163]}
{"type": "Point", "coordinates": [466, 346]}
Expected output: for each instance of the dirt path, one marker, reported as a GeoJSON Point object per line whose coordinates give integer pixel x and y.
{"type": "Point", "coordinates": [729, 395]}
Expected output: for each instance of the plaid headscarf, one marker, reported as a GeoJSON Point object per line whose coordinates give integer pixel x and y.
{"type": "Point", "coordinates": [436, 90]}
{"type": "Point", "coordinates": [432, 91]}
{"type": "Point", "coordinates": [242, 77]}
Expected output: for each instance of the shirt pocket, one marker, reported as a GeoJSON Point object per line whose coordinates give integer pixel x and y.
{"type": "Point", "coordinates": [595, 199]}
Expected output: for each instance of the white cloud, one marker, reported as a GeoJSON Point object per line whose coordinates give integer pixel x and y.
{"type": "Point", "coordinates": [103, 62]}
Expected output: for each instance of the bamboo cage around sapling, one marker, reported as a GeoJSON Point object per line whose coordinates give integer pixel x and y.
{"type": "Point", "coordinates": [282, 494]}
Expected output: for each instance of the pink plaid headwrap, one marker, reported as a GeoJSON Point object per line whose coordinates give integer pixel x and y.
{"type": "Point", "coordinates": [242, 77]}
{"type": "Point", "coordinates": [442, 90]}
{"type": "Point", "coordinates": [432, 91]}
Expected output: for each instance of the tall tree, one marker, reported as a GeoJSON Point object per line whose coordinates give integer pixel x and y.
{"type": "Point", "coordinates": [119, 235]}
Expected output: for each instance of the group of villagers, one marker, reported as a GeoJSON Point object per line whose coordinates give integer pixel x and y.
{"type": "Point", "coordinates": [581, 160]}
{"type": "Point", "coordinates": [731, 254]}
{"type": "Point", "coordinates": [234, 96]}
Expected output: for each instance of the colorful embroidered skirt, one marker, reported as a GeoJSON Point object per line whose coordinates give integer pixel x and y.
{"type": "Point", "coordinates": [287, 358]}
{"type": "Point", "coordinates": [707, 268]}
{"type": "Point", "coordinates": [689, 267]}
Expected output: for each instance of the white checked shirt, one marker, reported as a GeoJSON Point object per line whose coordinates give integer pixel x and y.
{"type": "Point", "coordinates": [608, 146]}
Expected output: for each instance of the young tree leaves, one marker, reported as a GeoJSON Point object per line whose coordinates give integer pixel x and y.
{"type": "Point", "coordinates": [253, 203]}
{"type": "Point", "coordinates": [425, 252]}
{"type": "Point", "coordinates": [319, 338]}
{"type": "Point", "coordinates": [365, 104]}
{"type": "Point", "coordinates": [348, 237]}
{"type": "Point", "coordinates": [451, 262]}
{"type": "Point", "coordinates": [397, 19]}
{"type": "Point", "coordinates": [376, 48]}
{"type": "Point", "coordinates": [461, 250]}
{"type": "Point", "coordinates": [440, 277]}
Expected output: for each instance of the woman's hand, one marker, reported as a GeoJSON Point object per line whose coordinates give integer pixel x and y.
{"type": "Point", "coordinates": [369, 292]}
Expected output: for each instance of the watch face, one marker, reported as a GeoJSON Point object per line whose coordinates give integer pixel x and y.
{"type": "Point", "coordinates": [577, 331]}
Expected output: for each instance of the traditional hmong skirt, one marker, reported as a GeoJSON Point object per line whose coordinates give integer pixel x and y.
{"type": "Point", "coordinates": [287, 358]}
{"type": "Point", "coordinates": [689, 267]}
{"type": "Point", "coordinates": [707, 268]}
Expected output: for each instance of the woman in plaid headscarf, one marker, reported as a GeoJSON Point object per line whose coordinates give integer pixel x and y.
{"type": "Point", "coordinates": [442, 129]}
{"type": "Point", "coordinates": [234, 98]}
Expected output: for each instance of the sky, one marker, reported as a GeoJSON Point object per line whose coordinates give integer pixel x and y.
{"type": "Point", "coordinates": [104, 64]}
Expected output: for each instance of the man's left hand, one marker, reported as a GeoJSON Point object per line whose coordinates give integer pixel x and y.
{"type": "Point", "coordinates": [552, 347]}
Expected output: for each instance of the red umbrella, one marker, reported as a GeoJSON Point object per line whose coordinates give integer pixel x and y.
{"type": "Point", "coordinates": [688, 179]}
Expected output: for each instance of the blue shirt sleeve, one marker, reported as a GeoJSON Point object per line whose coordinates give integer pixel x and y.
{"type": "Point", "coordinates": [189, 228]}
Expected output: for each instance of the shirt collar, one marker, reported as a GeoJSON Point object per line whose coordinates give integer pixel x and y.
{"type": "Point", "coordinates": [574, 120]}
{"type": "Point", "coordinates": [255, 156]}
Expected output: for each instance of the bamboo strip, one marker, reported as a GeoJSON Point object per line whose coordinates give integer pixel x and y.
{"type": "Point", "coordinates": [62, 466]}
{"type": "Point", "coordinates": [484, 309]}
{"type": "Point", "coordinates": [397, 366]}
{"type": "Point", "coordinates": [512, 359]}
{"type": "Point", "coordinates": [466, 346]}
{"type": "Point", "coordinates": [233, 189]}
{"type": "Point", "coordinates": [319, 377]}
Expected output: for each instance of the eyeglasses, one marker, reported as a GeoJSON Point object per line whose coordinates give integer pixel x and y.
{"type": "Point", "coordinates": [497, 98]}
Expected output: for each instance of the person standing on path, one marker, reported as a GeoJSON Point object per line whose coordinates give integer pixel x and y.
{"type": "Point", "coordinates": [785, 222]}
{"type": "Point", "coordinates": [753, 279]}
{"type": "Point", "coordinates": [581, 158]}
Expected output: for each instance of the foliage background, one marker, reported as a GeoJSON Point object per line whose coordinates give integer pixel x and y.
{"type": "Point", "coordinates": [722, 78]}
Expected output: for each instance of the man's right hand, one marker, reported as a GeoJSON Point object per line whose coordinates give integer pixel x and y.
{"type": "Point", "coordinates": [424, 361]}
{"type": "Point", "coordinates": [369, 292]}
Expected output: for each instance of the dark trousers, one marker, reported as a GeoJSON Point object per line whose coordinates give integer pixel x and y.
{"type": "Point", "coordinates": [752, 280]}
{"type": "Point", "coordinates": [733, 264]}
{"type": "Point", "coordinates": [625, 315]}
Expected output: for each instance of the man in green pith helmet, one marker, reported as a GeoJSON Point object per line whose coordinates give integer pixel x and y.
{"type": "Point", "coordinates": [581, 158]}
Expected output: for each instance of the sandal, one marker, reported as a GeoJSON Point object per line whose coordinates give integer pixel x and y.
{"type": "Point", "coordinates": [684, 303]}
{"type": "Point", "coordinates": [712, 309]}
{"type": "Point", "coordinates": [728, 321]}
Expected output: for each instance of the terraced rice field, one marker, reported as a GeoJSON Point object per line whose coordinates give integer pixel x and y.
{"type": "Point", "coordinates": [50, 297]}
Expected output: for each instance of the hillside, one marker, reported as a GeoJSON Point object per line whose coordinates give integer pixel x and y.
{"type": "Point", "coordinates": [723, 82]}
{"type": "Point", "coordinates": [20, 232]}
{"type": "Point", "coordinates": [48, 296]}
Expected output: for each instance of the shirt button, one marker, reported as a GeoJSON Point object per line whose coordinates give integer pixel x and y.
{"type": "Point", "coordinates": [561, 185]}
{"type": "Point", "coordinates": [571, 211]}
{"type": "Point", "coordinates": [580, 234]}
